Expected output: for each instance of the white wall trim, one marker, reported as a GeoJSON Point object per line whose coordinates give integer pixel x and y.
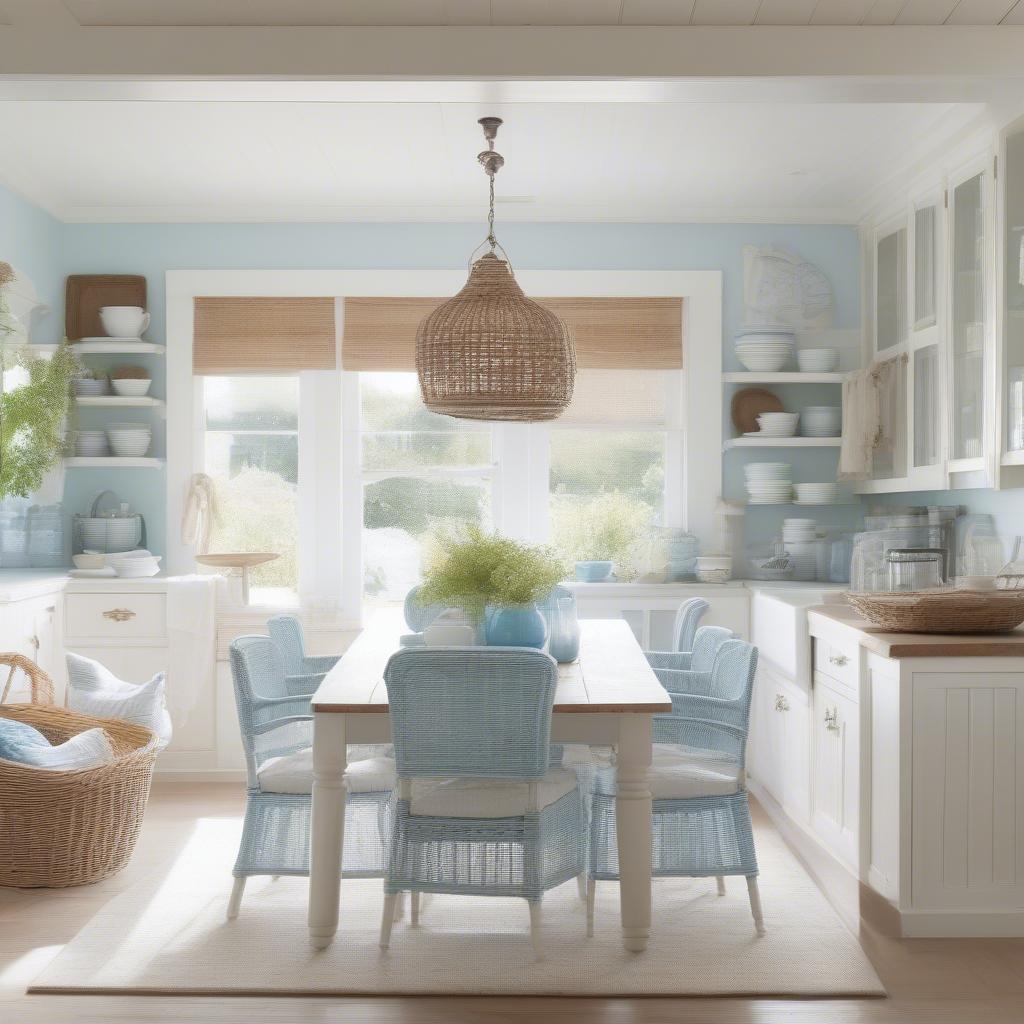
{"type": "Point", "coordinates": [702, 363]}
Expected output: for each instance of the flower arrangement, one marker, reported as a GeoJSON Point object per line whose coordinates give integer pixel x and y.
{"type": "Point", "coordinates": [32, 415]}
{"type": "Point", "coordinates": [477, 569]}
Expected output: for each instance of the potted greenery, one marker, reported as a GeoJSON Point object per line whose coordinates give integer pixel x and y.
{"type": "Point", "coordinates": [599, 534]}
{"type": "Point", "coordinates": [497, 582]}
{"type": "Point", "coordinates": [32, 414]}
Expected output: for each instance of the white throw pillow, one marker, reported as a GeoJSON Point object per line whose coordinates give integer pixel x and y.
{"type": "Point", "coordinates": [85, 750]}
{"type": "Point", "coordinates": [94, 690]}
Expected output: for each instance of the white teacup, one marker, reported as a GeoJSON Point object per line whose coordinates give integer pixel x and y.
{"type": "Point", "coordinates": [124, 321]}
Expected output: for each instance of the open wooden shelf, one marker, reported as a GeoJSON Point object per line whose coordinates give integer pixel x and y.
{"type": "Point", "coordinates": [755, 377]}
{"type": "Point", "coordinates": [783, 442]}
{"type": "Point", "coordinates": [112, 462]}
{"type": "Point", "coordinates": [120, 401]}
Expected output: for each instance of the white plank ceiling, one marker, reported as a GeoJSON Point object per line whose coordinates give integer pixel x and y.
{"type": "Point", "coordinates": [305, 161]}
{"type": "Point", "coordinates": [545, 12]}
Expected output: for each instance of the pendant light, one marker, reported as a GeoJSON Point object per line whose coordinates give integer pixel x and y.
{"type": "Point", "coordinates": [490, 353]}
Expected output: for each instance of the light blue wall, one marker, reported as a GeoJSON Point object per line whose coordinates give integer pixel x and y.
{"type": "Point", "coordinates": [152, 249]}
{"type": "Point", "coordinates": [30, 240]}
{"type": "Point", "coordinates": [49, 251]}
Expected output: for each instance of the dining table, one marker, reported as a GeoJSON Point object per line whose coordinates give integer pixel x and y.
{"type": "Point", "coordinates": [606, 697]}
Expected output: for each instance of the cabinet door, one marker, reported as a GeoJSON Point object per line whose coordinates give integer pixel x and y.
{"type": "Point", "coordinates": [891, 290]}
{"type": "Point", "coordinates": [1013, 293]}
{"type": "Point", "coordinates": [765, 746]}
{"type": "Point", "coordinates": [835, 789]}
{"type": "Point", "coordinates": [968, 318]}
{"type": "Point", "coordinates": [796, 752]}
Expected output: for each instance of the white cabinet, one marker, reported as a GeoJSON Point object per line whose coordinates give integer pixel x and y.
{"type": "Point", "coordinates": [31, 626]}
{"type": "Point", "coordinates": [780, 743]}
{"type": "Point", "coordinates": [835, 775]}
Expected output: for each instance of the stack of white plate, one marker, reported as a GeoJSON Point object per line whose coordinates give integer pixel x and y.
{"type": "Point", "coordinates": [798, 537]}
{"type": "Point", "coordinates": [136, 566]}
{"type": "Point", "coordinates": [765, 347]}
{"type": "Point", "coordinates": [816, 494]}
{"type": "Point", "coordinates": [821, 421]}
{"type": "Point", "coordinates": [109, 533]}
{"type": "Point", "coordinates": [91, 443]}
{"type": "Point", "coordinates": [777, 424]}
{"type": "Point", "coordinates": [129, 440]}
{"type": "Point", "coordinates": [768, 483]}
{"type": "Point", "coordinates": [817, 360]}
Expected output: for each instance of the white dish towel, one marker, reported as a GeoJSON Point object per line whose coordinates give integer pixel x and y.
{"type": "Point", "coordinates": [191, 642]}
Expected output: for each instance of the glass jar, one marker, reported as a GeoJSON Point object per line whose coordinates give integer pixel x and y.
{"type": "Point", "coordinates": [912, 569]}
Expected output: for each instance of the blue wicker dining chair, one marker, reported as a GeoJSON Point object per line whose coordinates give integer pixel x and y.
{"type": "Point", "coordinates": [478, 810]}
{"type": "Point", "coordinates": [304, 673]}
{"type": "Point", "coordinates": [688, 617]}
{"type": "Point", "coordinates": [701, 823]}
{"type": "Point", "coordinates": [277, 735]}
{"type": "Point", "coordinates": [684, 671]}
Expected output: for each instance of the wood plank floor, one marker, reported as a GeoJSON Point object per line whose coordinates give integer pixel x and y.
{"type": "Point", "coordinates": [930, 981]}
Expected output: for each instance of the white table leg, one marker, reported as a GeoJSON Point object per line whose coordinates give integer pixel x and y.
{"type": "Point", "coordinates": [328, 829]}
{"type": "Point", "coordinates": [633, 826]}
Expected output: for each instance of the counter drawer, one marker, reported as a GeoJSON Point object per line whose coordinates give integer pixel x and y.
{"type": "Point", "coordinates": [838, 664]}
{"type": "Point", "coordinates": [116, 616]}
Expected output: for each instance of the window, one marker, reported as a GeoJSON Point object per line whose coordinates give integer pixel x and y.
{"type": "Point", "coordinates": [251, 450]}
{"type": "Point", "coordinates": [421, 473]}
{"type": "Point", "coordinates": [608, 453]}
{"type": "Point", "coordinates": [599, 472]}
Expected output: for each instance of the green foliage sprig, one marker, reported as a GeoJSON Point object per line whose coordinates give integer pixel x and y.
{"type": "Point", "coordinates": [32, 415]}
{"type": "Point", "coordinates": [477, 569]}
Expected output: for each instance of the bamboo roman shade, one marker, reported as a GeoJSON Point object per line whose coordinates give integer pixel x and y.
{"type": "Point", "coordinates": [244, 334]}
{"type": "Point", "coordinates": [610, 333]}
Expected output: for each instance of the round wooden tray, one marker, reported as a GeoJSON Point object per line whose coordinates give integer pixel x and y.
{"type": "Point", "coordinates": [748, 404]}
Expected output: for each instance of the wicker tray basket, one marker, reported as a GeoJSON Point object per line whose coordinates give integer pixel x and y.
{"type": "Point", "coordinates": [60, 828]}
{"type": "Point", "coordinates": [942, 611]}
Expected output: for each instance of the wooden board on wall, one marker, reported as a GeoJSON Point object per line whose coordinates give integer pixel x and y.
{"type": "Point", "coordinates": [609, 332]}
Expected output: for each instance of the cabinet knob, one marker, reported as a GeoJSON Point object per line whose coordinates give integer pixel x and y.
{"type": "Point", "coordinates": [119, 614]}
{"type": "Point", "coordinates": [832, 719]}
{"type": "Point", "coordinates": [781, 704]}
{"type": "Point", "coordinates": [838, 659]}
{"type": "Point", "coordinates": [34, 641]}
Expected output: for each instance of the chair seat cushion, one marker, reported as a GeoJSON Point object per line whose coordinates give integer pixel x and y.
{"type": "Point", "coordinates": [679, 772]}
{"type": "Point", "coordinates": [486, 798]}
{"type": "Point", "coordinates": [373, 772]}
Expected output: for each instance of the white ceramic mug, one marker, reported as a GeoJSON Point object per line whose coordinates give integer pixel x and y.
{"type": "Point", "coordinates": [124, 321]}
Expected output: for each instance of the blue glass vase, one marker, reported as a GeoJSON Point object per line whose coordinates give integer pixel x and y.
{"type": "Point", "coordinates": [520, 625]}
{"type": "Point", "coordinates": [565, 631]}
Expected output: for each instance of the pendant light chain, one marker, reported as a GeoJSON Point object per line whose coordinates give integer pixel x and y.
{"type": "Point", "coordinates": [491, 240]}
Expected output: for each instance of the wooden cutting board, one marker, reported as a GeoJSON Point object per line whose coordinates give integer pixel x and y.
{"type": "Point", "coordinates": [86, 294]}
{"type": "Point", "coordinates": [748, 404]}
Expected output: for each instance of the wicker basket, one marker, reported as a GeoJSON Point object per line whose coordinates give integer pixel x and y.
{"type": "Point", "coordinates": [943, 611]}
{"type": "Point", "coordinates": [60, 828]}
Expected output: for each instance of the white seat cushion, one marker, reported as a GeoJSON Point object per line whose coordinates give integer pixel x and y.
{"type": "Point", "coordinates": [486, 798]}
{"type": "Point", "coordinates": [293, 773]}
{"type": "Point", "coordinates": [678, 773]}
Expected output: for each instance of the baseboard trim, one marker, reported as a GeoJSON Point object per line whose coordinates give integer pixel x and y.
{"type": "Point", "coordinates": [200, 775]}
{"type": "Point", "coordinates": [992, 924]}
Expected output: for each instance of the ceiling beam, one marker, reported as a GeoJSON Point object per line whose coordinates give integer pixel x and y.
{"type": "Point", "coordinates": [48, 47]}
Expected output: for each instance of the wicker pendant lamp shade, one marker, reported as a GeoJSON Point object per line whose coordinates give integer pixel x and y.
{"type": "Point", "coordinates": [490, 353]}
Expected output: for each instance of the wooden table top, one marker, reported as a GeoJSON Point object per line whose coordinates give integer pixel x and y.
{"type": "Point", "coordinates": [612, 675]}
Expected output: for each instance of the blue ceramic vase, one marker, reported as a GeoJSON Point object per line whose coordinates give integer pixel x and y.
{"type": "Point", "coordinates": [520, 625]}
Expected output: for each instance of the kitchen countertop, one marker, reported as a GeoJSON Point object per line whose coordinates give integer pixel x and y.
{"type": "Point", "coordinates": [921, 645]}
{"type": "Point", "coordinates": [18, 584]}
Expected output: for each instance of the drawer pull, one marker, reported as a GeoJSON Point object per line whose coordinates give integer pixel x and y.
{"type": "Point", "coordinates": [781, 704]}
{"type": "Point", "coordinates": [119, 614]}
{"type": "Point", "coordinates": [832, 719]}
{"type": "Point", "coordinates": [838, 659]}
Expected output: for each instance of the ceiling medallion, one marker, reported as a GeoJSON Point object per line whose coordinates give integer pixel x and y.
{"type": "Point", "coordinates": [490, 353]}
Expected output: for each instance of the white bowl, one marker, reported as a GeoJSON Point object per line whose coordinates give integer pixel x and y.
{"type": "Point", "coordinates": [88, 560]}
{"type": "Point", "coordinates": [817, 360]}
{"type": "Point", "coordinates": [89, 386]}
{"type": "Point", "coordinates": [762, 364]}
{"type": "Point", "coordinates": [765, 338]}
{"type": "Point", "coordinates": [130, 387]}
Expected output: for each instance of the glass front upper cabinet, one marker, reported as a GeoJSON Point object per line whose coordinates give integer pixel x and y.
{"type": "Point", "coordinates": [890, 290]}
{"type": "Point", "coordinates": [968, 318]}
{"type": "Point", "coordinates": [925, 270]}
{"type": "Point", "coordinates": [927, 380]}
{"type": "Point", "coordinates": [1013, 183]}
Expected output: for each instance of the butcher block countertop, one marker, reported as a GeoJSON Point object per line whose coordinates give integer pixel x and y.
{"type": "Point", "coordinates": [919, 645]}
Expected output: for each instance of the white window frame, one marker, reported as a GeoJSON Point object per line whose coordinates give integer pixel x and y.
{"type": "Point", "coordinates": [330, 569]}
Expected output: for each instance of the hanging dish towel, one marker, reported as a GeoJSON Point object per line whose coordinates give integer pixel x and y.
{"type": "Point", "coordinates": [199, 513]}
{"type": "Point", "coordinates": [860, 425]}
{"type": "Point", "coordinates": [191, 642]}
